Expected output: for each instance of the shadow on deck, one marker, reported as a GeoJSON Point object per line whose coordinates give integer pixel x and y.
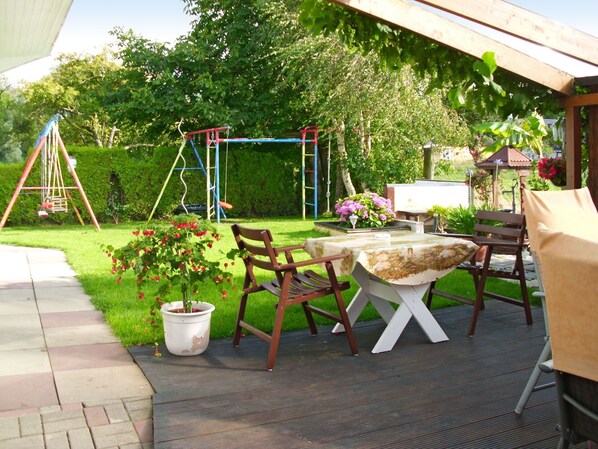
{"type": "Point", "coordinates": [455, 394]}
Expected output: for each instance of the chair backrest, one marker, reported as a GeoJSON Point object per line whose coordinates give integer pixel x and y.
{"type": "Point", "coordinates": [559, 210]}
{"type": "Point", "coordinates": [570, 270]}
{"type": "Point", "coordinates": [563, 231]}
{"type": "Point", "coordinates": [257, 250]}
{"type": "Point", "coordinates": [256, 247]}
{"type": "Point", "coordinates": [500, 225]}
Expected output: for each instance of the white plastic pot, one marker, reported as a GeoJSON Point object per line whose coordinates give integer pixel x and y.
{"type": "Point", "coordinates": [187, 333]}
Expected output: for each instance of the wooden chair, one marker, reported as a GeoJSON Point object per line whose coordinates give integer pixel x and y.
{"type": "Point", "coordinates": [289, 285]}
{"type": "Point", "coordinates": [499, 233]}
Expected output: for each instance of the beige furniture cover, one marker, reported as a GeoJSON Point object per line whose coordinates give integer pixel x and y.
{"type": "Point", "coordinates": [559, 210]}
{"type": "Point", "coordinates": [563, 230]}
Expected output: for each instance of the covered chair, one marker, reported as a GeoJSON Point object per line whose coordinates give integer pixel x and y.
{"type": "Point", "coordinates": [560, 210]}
{"type": "Point", "coordinates": [499, 233]}
{"type": "Point", "coordinates": [570, 275]}
{"type": "Point", "coordinates": [289, 285]}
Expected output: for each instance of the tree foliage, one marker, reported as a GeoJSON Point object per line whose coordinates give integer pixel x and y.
{"type": "Point", "coordinates": [476, 84]}
{"type": "Point", "coordinates": [11, 123]}
{"type": "Point", "coordinates": [77, 88]}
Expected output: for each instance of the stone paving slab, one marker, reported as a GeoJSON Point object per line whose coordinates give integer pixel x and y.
{"type": "Point", "coordinates": [24, 361]}
{"type": "Point", "coordinates": [16, 294]}
{"type": "Point", "coordinates": [79, 335]}
{"type": "Point", "coordinates": [75, 318]}
{"type": "Point", "coordinates": [101, 383]}
{"type": "Point", "coordinates": [27, 391]}
{"type": "Point", "coordinates": [20, 332]}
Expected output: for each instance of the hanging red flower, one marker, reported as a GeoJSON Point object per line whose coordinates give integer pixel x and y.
{"type": "Point", "coordinates": [554, 169]}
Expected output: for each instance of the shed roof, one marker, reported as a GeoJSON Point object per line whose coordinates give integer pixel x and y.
{"type": "Point", "coordinates": [506, 157]}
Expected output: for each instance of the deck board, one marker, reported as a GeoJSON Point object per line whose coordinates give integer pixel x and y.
{"type": "Point", "coordinates": [455, 394]}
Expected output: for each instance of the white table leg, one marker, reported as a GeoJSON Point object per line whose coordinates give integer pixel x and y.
{"type": "Point", "coordinates": [381, 294]}
{"type": "Point", "coordinates": [409, 299]}
{"type": "Point", "coordinates": [412, 298]}
{"type": "Point", "coordinates": [361, 299]}
{"type": "Point", "coordinates": [393, 330]}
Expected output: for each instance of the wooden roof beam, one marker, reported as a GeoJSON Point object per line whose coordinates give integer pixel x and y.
{"type": "Point", "coordinates": [414, 18]}
{"type": "Point", "coordinates": [524, 24]}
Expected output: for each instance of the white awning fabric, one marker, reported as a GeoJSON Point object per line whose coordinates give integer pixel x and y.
{"type": "Point", "coordinates": [28, 29]}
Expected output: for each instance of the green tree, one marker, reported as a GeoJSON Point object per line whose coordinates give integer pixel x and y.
{"type": "Point", "coordinates": [77, 88]}
{"type": "Point", "coordinates": [381, 118]}
{"type": "Point", "coordinates": [13, 124]}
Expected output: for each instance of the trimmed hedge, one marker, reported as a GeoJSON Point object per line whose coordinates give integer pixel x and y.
{"type": "Point", "coordinates": [261, 180]}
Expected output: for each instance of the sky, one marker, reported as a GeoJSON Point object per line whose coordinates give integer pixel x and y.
{"type": "Point", "coordinates": [88, 22]}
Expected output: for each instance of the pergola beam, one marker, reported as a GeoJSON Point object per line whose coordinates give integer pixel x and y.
{"type": "Point", "coordinates": [414, 18]}
{"type": "Point", "coordinates": [524, 24]}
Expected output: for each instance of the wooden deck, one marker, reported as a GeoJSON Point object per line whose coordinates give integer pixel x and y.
{"type": "Point", "coordinates": [456, 394]}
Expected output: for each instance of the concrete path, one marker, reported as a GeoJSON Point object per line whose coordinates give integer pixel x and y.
{"type": "Point", "coordinates": [65, 379]}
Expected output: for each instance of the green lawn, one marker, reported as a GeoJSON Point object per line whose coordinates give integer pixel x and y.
{"type": "Point", "coordinates": [126, 314]}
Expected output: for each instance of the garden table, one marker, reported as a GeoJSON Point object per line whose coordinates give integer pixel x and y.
{"type": "Point", "coordinates": [395, 267]}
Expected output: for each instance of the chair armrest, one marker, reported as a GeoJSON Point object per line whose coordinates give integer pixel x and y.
{"type": "Point", "coordinates": [498, 242]}
{"type": "Point", "coordinates": [288, 248]}
{"type": "Point", "coordinates": [315, 261]}
{"type": "Point", "coordinates": [288, 251]}
{"type": "Point", "coordinates": [457, 236]}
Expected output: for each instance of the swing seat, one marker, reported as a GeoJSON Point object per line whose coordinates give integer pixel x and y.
{"type": "Point", "coordinates": [225, 205]}
{"type": "Point", "coordinates": [42, 214]}
{"type": "Point", "coordinates": [193, 208]}
{"type": "Point", "coordinates": [55, 204]}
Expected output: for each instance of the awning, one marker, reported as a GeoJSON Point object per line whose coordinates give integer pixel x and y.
{"type": "Point", "coordinates": [28, 29]}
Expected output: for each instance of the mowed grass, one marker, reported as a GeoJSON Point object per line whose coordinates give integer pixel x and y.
{"type": "Point", "coordinates": [128, 316]}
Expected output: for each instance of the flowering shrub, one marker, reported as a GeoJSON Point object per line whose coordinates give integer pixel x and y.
{"type": "Point", "coordinates": [554, 169]}
{"type": "Point", "coordinates": [371, 210]}
{"type": "Point", "coordinates": [172, 257]}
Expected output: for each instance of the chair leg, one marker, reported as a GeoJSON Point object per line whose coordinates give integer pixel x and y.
{"type": "Point", "coordinates": [345, 321]}
{"type": "Point", "coordinates": [479, 297]}
{"type": "Point", "coordinates": [430, 294]}
{"type": "Point", "coordinates": [240, 316]}
{"type": "Point", "coordinates": [475, 274]}
{"type": "Point", "coordinates": [310, 319]}
{"type": "Point", "coordinates": [523, 284]}
{"type": "Point", "coordinates": [276, 335]}
{"type": "Point", "coordinates": [530, 387]}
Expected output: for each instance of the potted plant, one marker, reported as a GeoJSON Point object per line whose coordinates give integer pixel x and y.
{"type": "Point", "coordinates": [364, 210]}
{"type": "Point", "coordinates": [172, 262]}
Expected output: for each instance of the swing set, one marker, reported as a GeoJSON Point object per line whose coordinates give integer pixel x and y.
{"type": "Point", "coordinates": [215, 204]}
{"type": "Point", "coordinates": [54, 194]}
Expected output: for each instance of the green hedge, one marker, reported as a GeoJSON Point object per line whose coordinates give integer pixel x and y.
{"type": "Point", "coordinates": [261, 180]}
